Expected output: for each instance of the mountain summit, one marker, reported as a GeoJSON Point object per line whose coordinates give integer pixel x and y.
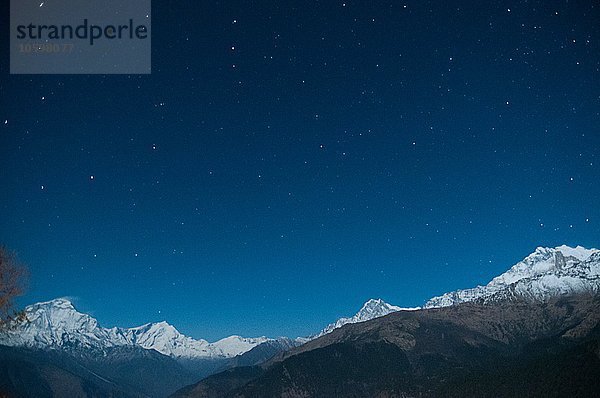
{"type": "Point", "coordinates": [374, 308]}
{"type": "Point", "coordinates": [545, 273]}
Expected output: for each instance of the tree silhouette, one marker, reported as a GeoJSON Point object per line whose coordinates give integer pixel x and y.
{"type": "Point", "coordinates": [13, 277]}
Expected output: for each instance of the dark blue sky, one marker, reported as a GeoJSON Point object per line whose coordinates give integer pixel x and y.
{"type": "Point", "coordinates": [286, 161]}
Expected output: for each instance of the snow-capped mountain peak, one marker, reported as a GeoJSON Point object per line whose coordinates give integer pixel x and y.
{"type": "Point", "coordinates": [545, 273]}
{"type": "Point", "coordinates": [373, 308]}
{"type": "Point", "coordinates": [167, 340]}
{"type": "Point", "coordinates": [56, 323]}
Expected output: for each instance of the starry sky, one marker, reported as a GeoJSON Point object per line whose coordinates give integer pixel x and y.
{"type": "Point", "coordinates": [288, 160]}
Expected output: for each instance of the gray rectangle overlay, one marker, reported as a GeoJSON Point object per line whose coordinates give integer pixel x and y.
{"type": "Point", "coordinates": [80, 37]}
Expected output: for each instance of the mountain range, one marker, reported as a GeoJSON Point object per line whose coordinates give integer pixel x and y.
{"type": "Point", "coordinates": [88, 354]}
{"type": "Point", "coordinates": [58, 324]}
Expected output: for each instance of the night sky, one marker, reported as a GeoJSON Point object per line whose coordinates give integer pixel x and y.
{"type": "Point", "coordinates": [288, 160]}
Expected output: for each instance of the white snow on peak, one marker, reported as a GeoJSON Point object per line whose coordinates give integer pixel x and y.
{"type": "Point", "coordinates": [579, 252]}
{"type": "Point", "coordinates": [373, 308]}
{"type": "Point", "coordinates": [545, 273]}
{"type": "Point", "coordinates": [57, 324]}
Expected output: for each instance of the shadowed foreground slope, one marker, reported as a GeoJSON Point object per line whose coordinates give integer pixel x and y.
{"type": "Point", "coordinates": [510, 349]}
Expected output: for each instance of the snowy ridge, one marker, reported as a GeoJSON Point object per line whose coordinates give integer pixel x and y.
{"type": "Point", "coordinates": [545, 273]}
{"type": "Point", "coordinates": [57, 324]}
{"type": "Point", "coordinates": [372, 309]}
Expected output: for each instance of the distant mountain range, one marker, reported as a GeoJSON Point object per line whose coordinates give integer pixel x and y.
{"type": "Point", "coordinates": [59, 351]}
{"type": "Point", "coordinates": [58, 324]}
{"type": "Point", "coordinates": [57, 345]}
